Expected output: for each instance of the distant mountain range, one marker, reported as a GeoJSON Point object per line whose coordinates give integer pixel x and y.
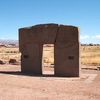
{"type": "Point", "coordinates": [8, 42]}
{"type": "Point", "coordinates": [16, 43]}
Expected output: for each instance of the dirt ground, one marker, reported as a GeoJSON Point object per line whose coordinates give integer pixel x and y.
{"type": "Point", "coordinates": [16, 86]}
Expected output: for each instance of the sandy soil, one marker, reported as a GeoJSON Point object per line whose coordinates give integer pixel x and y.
{"type": "Point", "coordinates": [16, 86]}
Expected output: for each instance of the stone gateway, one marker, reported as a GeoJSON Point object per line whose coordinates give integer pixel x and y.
{"type": "Point", "coordinates": [66, 48]}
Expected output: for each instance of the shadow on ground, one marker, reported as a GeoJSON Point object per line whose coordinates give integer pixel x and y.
{"type": "Point", "coordinates": [30, 74]}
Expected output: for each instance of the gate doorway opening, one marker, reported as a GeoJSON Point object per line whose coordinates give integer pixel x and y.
{"type": "Point", "coordinates": [48, 59]}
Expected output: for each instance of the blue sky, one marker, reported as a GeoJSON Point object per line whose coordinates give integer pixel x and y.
{"type": "Point", "coordinates": [85, 14]}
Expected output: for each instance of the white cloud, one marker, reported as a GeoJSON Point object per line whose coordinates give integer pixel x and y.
{"type": "Point", "coordinates": [97, 36]}
{"type": "Point", "coordinates": [93, 38]}
{"type": "Point", "coordinates": [84, 37]}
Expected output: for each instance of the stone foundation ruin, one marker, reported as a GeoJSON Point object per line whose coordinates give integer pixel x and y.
{"type": "Point", "coordinates": [66, 48]}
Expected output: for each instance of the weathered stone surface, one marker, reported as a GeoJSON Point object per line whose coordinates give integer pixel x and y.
{"type": "Point", "coordinates": [13, 61]}
{"type": "Point", "coordinates": [67, 34]}
{"type": "Point", "coordinates": [66, 48]}
{"type": "Point", "coordinates": [31, 59]}
{"type": "Point", "coordinates": [66, 51]}
{"type": "Point", "coordinates": [1, 62]}
{"type": "Point", "coordinates": [44, 33]}
{"type": "Point", "coordinates": [66, 60]}
{"type": "Point", "coordinates": [24, 37]}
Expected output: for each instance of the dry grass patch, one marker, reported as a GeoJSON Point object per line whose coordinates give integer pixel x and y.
{"type": "Point", "coordinates": [9, 53]}
{"type": "Point", "coordinates": [90, 55]}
